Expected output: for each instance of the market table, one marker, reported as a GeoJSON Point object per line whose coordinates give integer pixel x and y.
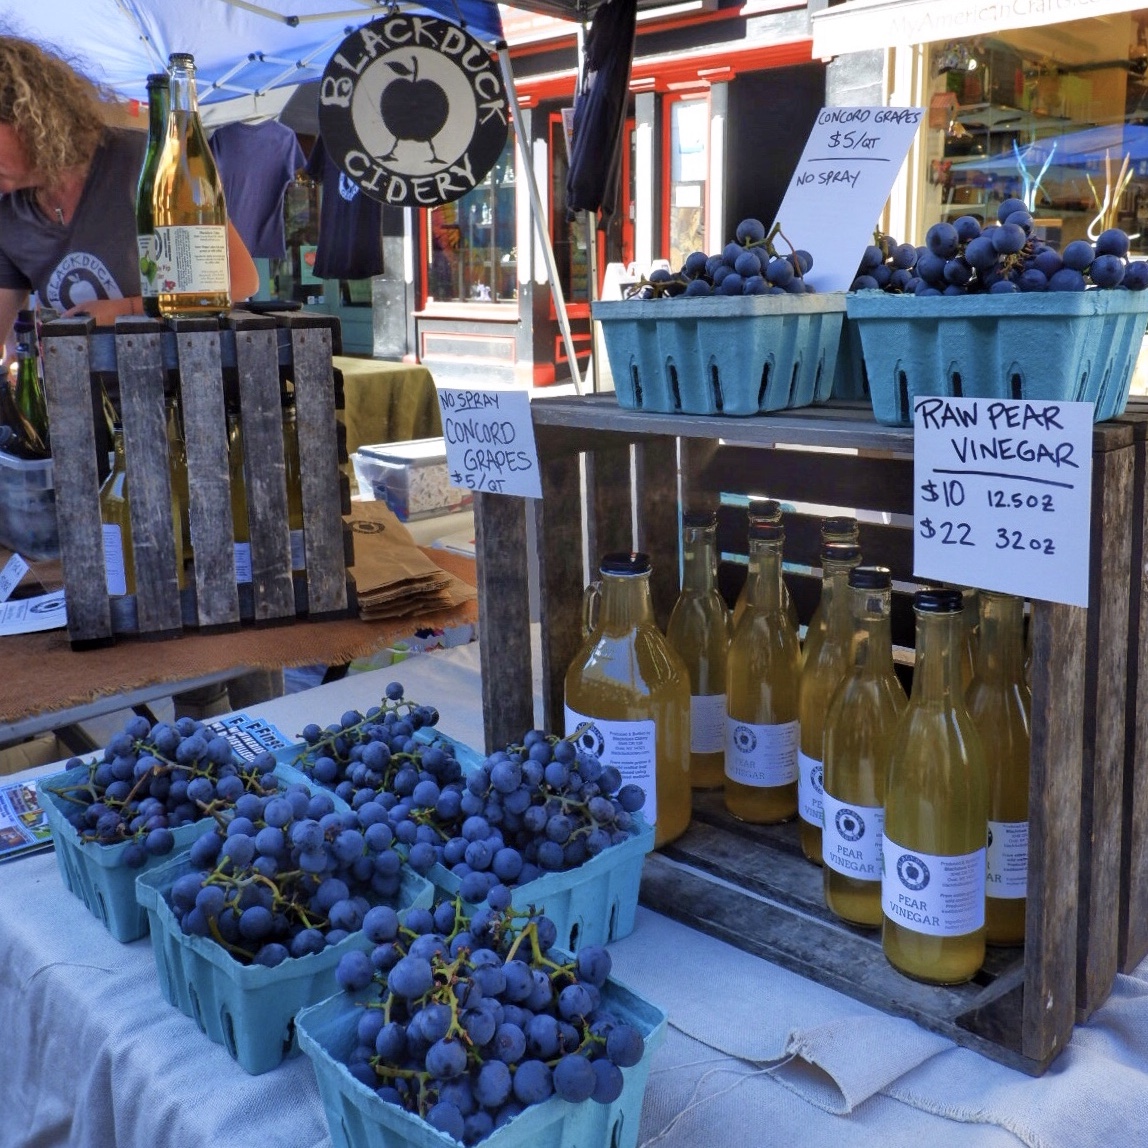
{"type": "Point", "coordinates": [386, 401]}
{"type": "Point", "coordinates": [95, 1058]}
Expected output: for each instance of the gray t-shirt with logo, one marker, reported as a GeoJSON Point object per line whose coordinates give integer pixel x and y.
{"type": "Point", "coordinates": [95, 256]}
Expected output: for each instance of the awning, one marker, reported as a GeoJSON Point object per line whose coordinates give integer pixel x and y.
{"type": "Point", "coordinates": [861, 25]}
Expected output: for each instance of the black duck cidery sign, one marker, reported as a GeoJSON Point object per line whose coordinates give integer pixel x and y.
{"type": "Point", "coordinates": [414, 110]}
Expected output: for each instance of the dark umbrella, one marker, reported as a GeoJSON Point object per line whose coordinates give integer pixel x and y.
{"type": "Point", "coordinates": [600, 111]}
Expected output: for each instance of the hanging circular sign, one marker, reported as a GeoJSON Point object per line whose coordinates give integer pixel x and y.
{"type": "Point", "coordinates": [413, 109]}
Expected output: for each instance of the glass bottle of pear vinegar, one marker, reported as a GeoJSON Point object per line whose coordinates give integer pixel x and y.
{"type": "Point", "coordinates": [699, 629]}
{"type": "Point", "coordinates": [632, 692]}
{"type": "Point", "coordinates": [822, 669]}
{"type": "Point", "coordinates": [858, 730]}
{"type": "Point", "coordinates": [1000, 704]}
{"type": "Point", "coordinates": [763, 510]}
{"type": "Point", "coordinates": [761, 693]}
{"type": "Point", "coordinates": [936, 812]}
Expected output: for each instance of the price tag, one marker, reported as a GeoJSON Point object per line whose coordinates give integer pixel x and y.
{"type": "Point", "coordinates": [490, 441]}
{"type": "Point", "coordinates": [840, 186]}
{"type": "Point", "coordinates": [1003, 495]}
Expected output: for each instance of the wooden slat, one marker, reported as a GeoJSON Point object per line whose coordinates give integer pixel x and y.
{"type": "Point", "coordinates": [656, 471]}
{"type": "Point", "coordinates": [264, 470]}
{"type": "Point", "coordinates": [209, 489]}
{"type": "Point", "coordinates": [504, 620]}
{"type": "Point", "coordinates": [319, 471]}
{"type": "Point", "coordinates": [1106, 668]}
{"type": "Point", "coordinates": [68, 388]}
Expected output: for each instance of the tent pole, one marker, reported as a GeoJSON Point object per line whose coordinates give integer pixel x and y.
{"type": "Point", "coordinates": [539, 218]}
{"type": "Point", "coordinates": [592, 254]}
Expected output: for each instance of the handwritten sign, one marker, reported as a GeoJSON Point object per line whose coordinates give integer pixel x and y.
{"type": "Point", "coordinates": [840, 186]}
{"type": "Point", "coordinates": [1002, 495]}
{"type": "Point", "coordinates": [490, 441]}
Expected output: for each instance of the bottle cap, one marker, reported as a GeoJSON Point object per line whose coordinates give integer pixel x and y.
{"type": "Point", "coordinates": [870, 578]}
{"type": "Point", "coordinates": [938, 601]}
{"type": "Point", "coordinates": [838, 525]}
{"type": "Point", "coordinates": [840, 552]}
{"type": "Point", "coordinates": [699, 518]}
{"type": "Point", "coordinates": [157, 80]}
{"type": "Point", "coordinates": [622, 563]}
{"type": "Point", "coordinates": [766, 532]}
{"type": "Point", "coordinates": [767, 508]}
{"type": "Point", "coordinates": [181, 60]}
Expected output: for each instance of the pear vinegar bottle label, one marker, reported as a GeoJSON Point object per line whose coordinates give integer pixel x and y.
{"type": "Point", "coordinates": [851, 838]}
{"type": "Point", "coordinates": [707, 723]}
{"type": "Point", "coordinates": [810, 789]}
{"type": "Point", "coordinates": [1007, 860]}
{"type": "Point", "coordinates": [761, 755]}
{"type": "Point", "coordinates": [940, 896]}
{"type": "Point", "coordinates": [629, 746]}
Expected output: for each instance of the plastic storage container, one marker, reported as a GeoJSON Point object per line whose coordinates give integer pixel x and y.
{"type": "Point", "coordinates": [249, 1009]}
{"type": "Point", "coordinates": [411, 477]}
{"type": "Point", "coordinates": [358, 1118]}
{"type": "Point", "coordinates": [722, 355]}
{"type": "Point", "coordinates": [28, 507]}
{"type": "Point", "coordinates": [1057, 346]}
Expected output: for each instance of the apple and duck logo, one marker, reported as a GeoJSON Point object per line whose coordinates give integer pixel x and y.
{"type": "Point", "coordinates": [413, 109]}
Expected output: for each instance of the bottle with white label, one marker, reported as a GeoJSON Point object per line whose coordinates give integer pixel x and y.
{"type": "Point", "coordinates": [631, 692]}
{"type": "Point", "coordinates": [762, 737]}
{"type": "Point", "coordinates": [821, 674]}
{"type": "Point", "coordinates": [936, 812]}
{"type": "Point", "coordinates": [1000, 704]}
{"type": "Point", "coordinates": [766, 510]}
{"type": "Point", "coordinates": [839, 530]}
{"type": "Point", "coordinates": [858, 729]}
{"type": "Point", "coordinates": [699, 629]}
{"type": "Point", "coordinates": [188, 208]}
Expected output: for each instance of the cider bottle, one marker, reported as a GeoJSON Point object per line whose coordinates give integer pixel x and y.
{"type": "Point", "coordinates": [858, 732]}
{"type": "Point", "coordinates": [157, 111]}
{"type": "Point", "coordinates": [765, 510]}
{"type": "Point", "coordinates": [761, 693]}
{"type": "Point", "coordinates": [294, 482]}
{"type": "Point", "coordinates": [936, 812]}
{"type": "Point", "coordinates": [240, 529]}
{"type": "Point", "coordinates": [188, 208]}
{"type": "Point", "coordinates": [821, 674]}
{"type": "Point", "coordinates": [632, 692]}
{"type": "Point", "coordinates": [1000, 703]}
{"type": "Point", "coordinates": [177, 464]}
{"type": "Point", "coordinates": [699, 631]}
{"type": "Point", "coordinates": [838, 530]}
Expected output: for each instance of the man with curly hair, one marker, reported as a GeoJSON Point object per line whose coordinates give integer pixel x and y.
{"type": "Point", "coordinates": [67, 194]}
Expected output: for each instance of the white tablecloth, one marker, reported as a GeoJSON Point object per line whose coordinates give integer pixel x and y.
{"type": "Point", "coordinates": [754, 1055]}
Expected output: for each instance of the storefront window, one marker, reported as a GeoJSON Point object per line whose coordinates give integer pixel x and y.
{"type": "Point", "coordinates": [470, 243]}
{"type": "Point", "coordinates": [689, 165]}
{"type": "Point", "coordinates": [1054, 115]}
{"type": "Point", "coordinates": [569, 237]}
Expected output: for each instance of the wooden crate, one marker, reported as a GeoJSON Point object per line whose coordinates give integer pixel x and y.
{"type": "Point", "coordinates": [246, 355]}
{"type": "Point", "coordinates": [749, 884]}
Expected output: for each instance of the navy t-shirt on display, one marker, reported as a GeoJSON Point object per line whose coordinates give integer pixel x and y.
{"type": "Point", "coordinates": [350, 223]}
{"type": "Point", "coordinates": [256, 163]}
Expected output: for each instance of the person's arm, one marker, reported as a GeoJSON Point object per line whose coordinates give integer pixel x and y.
{"type": "Point", "coordinates": [244, 273]}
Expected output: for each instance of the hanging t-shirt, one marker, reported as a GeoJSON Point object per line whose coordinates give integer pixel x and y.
{"type": "Point", "coordinates": [350, 223]}
{"type": "Point", "coordinates": [94, 256]}
{"type": "Point", "coordinates": [256, 163]}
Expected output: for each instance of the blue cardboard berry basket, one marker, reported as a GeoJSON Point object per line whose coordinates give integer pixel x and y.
{"type": "Point", "coordinates": [358, 1118]}
{"type": "Point", "coordinates": [719, 355]}
{"type": "Point", "coordinates": [96, 873]}
{"type": "Point", "coordinates": [249, 1009]}
{"type": "Point", "coordinates": [1055, 346]}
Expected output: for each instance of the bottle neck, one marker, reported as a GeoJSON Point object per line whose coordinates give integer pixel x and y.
{"type": "Point", "coordinates": [764, 585]}
{"type": "Point", "coordinates": [873, 651]}
{"type": "Point", "coordinates": [625, 601]}
{"type": "Point", "coordinates": [1000, 650]}
{"type": "Point", "coordinates": [157, 107]}
{"type": "Point", "coordinates": [182, 90]}
{"type": "Point", "coordinates": [699, 558]}
{"type": "Point", "coordinates": [835, 591]}
{"type": "Point", "coordinates": [119, 461]}
{"type": "Point", "coordinates": [937, 672]}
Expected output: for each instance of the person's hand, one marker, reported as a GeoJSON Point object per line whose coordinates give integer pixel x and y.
{"type": "Point", "coordinates": [104, 311]}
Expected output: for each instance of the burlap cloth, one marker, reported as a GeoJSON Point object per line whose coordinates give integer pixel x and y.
{"type": "Point", "coordinates": [41, 672]}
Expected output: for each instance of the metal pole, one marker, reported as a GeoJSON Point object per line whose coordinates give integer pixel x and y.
{"type": "Point", "coordinates": [539, 218]}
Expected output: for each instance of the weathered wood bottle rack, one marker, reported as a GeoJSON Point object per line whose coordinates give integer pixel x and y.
{"type": "Point", "coordinates": [246, 357]}
{"type": "Point", "coordinates": [1087, 909]}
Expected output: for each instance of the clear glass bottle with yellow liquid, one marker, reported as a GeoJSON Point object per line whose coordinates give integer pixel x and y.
{"type": "Point", "coordinates": [241, 531]}
{"type": "Point", "coordinates": [699, 629]}
{"type": "Point", "coordinates": [821, 674]}
{"type": "Point", "coordinates": [936, 812]}
{"type": "Point", "coordinates": [630, 693]}
{"type": "Point", "coordinates": [839, 530]}
{"type": "Point", "coordinates": [761, 693]}
{"type": "Point", "coordinates": [1000, 705]}
{"type": "Point", "coordinates": [858, 732]}
{"type": "Point", "coordinates": [764, 510]}
{"type": "Point", "coordinates": [177, 465]}
{"type": "Point", "coordinates": [294, 482]}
